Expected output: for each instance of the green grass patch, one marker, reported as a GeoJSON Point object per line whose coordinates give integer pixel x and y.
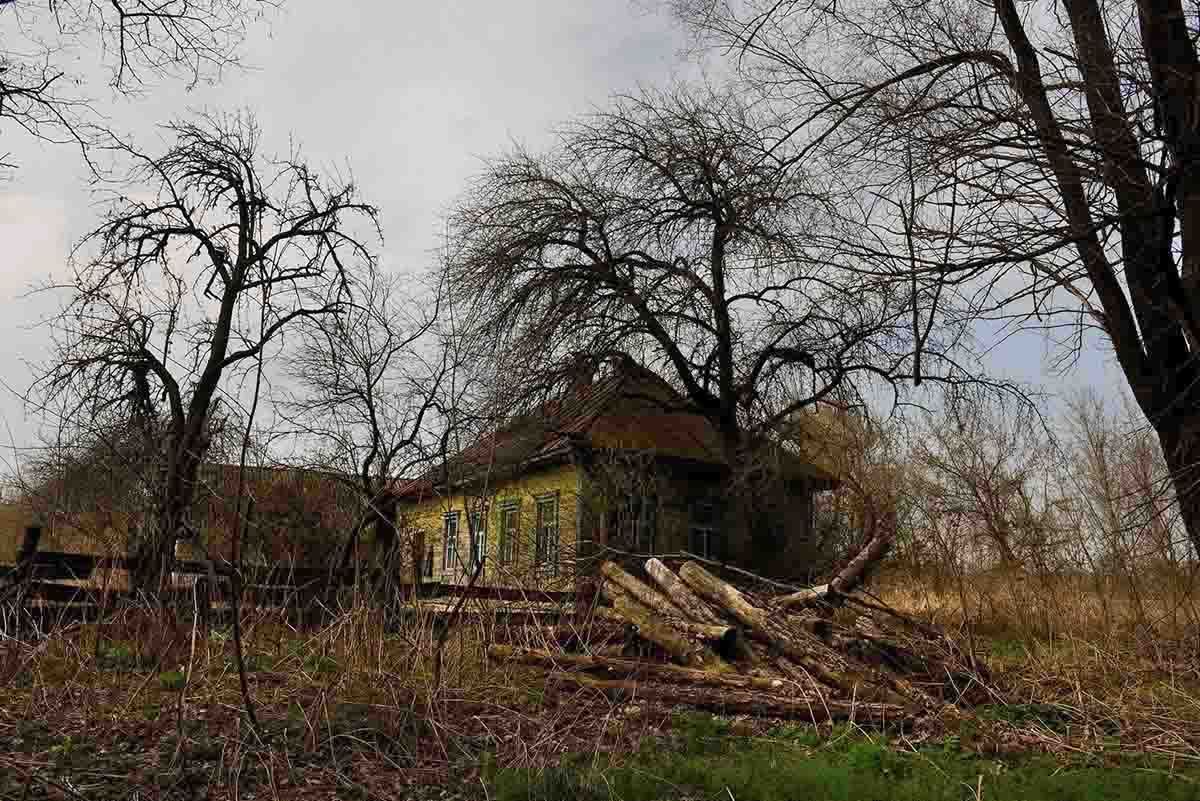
{"type": "Point", "coordinates": [172, 680]}
{"type": "Point", "coordinates": [703, 760]}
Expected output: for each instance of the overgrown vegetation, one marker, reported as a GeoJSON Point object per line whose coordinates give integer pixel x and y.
{"type": "Point", "coordinates": [807, 252]}
{"type": "Point", "coordinates": [353, 708]}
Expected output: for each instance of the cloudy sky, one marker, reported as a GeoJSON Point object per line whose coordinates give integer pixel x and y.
{"type": "Point", "coordinates": [409, 96]}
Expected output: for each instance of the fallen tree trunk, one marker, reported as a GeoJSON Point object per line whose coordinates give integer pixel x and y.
{"type": "Point", "coordinates": [686, 650]}
{"type": "Point", "coordinates": [723, 701]}
{"type": "Point", "coordinates": [726, 596]}
{"type": "Point", "coordinates": [813, 671]}
{"type": "Point", "coordinates": [634, 667]}
{"type": "Point", "coordinates": [851, 575]}
{"type": "Point", "coordinates": [760, 625]}
{"type": "Point", "coordinates": [642, 592]}
{"type": "Point", "coordinates": [715, 632]}
{"type": "Point", "coordinates": [692, 604]}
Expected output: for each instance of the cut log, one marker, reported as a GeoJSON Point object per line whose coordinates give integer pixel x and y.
{"type": "Point", "coordinates": [726, 638]}
{"type": "Point", "coordinates": [719, 632]}
{"type": "Point", "coordinates": [726, 596]}
{"type": "Point", "coordinates": [724, 701]}
{"type": "Point", "coordinates": [607, 613]}
{"type": "Point", "coordinates": [641, 591]}
{"type": "Point", "coordinates": [783, 636]}
{"type": "Point", "coordinates": [807, 597]}
{"type": "Point", "coordinates": [692, 604]}
{"type": "Point", "coordinates": [633, 667]}
{"type": "Point", "coordinates": [684, 649]}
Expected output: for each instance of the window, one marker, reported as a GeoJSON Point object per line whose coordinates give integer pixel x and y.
{"type": "Point", "coordinates": [546, 546]}
{"type": "Point", "coordinates": [510, 530]}
{"type": "Point", "coordinates": [450, 541]}
{"type": "Point", "coordinates": [704, 535]}
{"type": "Point", "coordinates": [478, 534]}
{"type": "Point", "coordinates": [636, 524]}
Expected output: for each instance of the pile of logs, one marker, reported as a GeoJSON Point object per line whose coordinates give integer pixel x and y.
{"type": "Point", "coordinates": [691, 638]}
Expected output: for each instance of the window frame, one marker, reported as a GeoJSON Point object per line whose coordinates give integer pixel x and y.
{"type": "Point", "coordinates": [546, 547]}
{"type": "Point", "coordinates": [712, 532]}
{"type": "Point", "coordinates": [508, 537]}
{"type": "Point", "coordinates": [636, 522]}
{"type": "Point", "coordinates": [645, 522]}
{"type": "Point", "coordinates": [449, 564]}
{"type": "Point", "coordinates": [477, 532]}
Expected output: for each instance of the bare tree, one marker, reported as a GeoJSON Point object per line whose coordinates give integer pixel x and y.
{"type": "Point", "coordinates": [206, 256]}
{"type": "Point", "coordinates": [1043, 157]}
{"type": "Point", "coordinates": [1119, 490]}
{"type": "Point", "coordinates": [136, 40]}
{"type": "Point", "coordinates": [681, 229]}
{"type": "Point", "coordinates": [989, 471]}
{"type": "Point", "coordinates": [371, 382]}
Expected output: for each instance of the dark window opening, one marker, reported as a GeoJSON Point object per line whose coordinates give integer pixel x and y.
{"type": "Point", "coordinates": [704, 533]}
{"type": "Point", "coordinates": [635, 524]}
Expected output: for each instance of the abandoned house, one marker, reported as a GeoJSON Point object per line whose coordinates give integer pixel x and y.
{"type": "Point", "coordinates": [615, 465]}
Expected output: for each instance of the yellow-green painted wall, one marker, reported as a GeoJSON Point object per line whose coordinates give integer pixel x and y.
{"type": "Point", "coordinates": [422, 523]}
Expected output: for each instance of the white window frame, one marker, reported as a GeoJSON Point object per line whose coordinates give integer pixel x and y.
{"type": "Point", "coordinates": [477, 531]}
{"type": "Point", "coordinates": [509, 535]}
{"type": "Point", "coordinates": [545, 551]}
{"type": "Point", "coordinates": [450, 555]}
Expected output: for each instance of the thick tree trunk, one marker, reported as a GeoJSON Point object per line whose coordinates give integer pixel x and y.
{"type": "Point", "coordinates": [1181, 451]}
{"type": "Point", "coordinates": [384, 523]}
{"type": "Point", "coordinates": [387, 547]}
{"type": "Point", "coordinates": [154, 555]}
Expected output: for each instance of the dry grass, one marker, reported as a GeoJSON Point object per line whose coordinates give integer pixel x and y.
{"type": "Point", "coordinates": [351, 707]}
{"type": "Point", "coordinates": [354, 707]}
{"type": "Point", "coordinates": [1085, 664]}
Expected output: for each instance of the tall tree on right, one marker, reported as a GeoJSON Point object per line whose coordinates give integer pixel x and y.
{"type": "Point", "coordinates": [1043, 158]}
